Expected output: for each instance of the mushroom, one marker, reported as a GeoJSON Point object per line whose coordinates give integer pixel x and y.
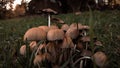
{"type": "Point", "coordinates": [35, 34]}
{"type": "Point", "coordinates": [76, 25]}
{"type": "Point", "coordinates": [55, 34]}
{"type": "Point", "coordinates": [85, 39]}
{"type": "Point", "coordinates": [57, 20]}
{"type": "Point", "coordinates": [65, 27]}
{"type": "Point", "coordinates": [49, 12]}
{"type": "Point", "coordinates": [73, 33]}
{"type": "Point", "coordinates": [45, 28]}
{"type": "Point", "coordinates": [84, 30]}
{"type": "Point", "coordinates": [100, 59]}
{"type": "Point", "coordinates": [23, 50]}
{"type": "Point", "coordinates": [33, 45]}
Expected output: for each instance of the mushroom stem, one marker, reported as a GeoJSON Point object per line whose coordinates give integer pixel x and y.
{"type": "Point", "coordinates": [49, 20]}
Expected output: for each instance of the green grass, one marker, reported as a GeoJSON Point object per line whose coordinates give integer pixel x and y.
{"type": "Point", "coordinates": [106, 26]}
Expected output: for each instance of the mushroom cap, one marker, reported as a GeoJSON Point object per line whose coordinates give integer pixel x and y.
{"type": "Point", "coordinates": [85, 39]}
{"type": "Point", "coordinates": [23, 50]}
{"type": "Point", "coordinates": [33, 45]}
{"type": "Point", "coordinates": [73, 33]}
{"type": "Point", "coordinates": [100, 58]}
{"type": "Point", "coordinates": [85, 27]}
{"type": "Point", "coordinates": [98, 43]}
{"type": "Point", "coordinates": [55, 34]}
{"type": "Point", "coordinates": [45, 28]}
{"type": "Point", "coordinates": [57, 20]}
{"type": "Point", "coordinates": [53, 27]}
{"type": "Point", "coordinates": [49, 10]}
{"type": "Point", "coordinates": [74, 25]}
{"type": "Point", "coordinates": [65, 27]}
{"type": "Point", "coordinates": [35, 34]}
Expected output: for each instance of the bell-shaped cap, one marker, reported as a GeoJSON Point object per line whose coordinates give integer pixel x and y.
{"type": "Point", "coordinates": [32, 45]}
{"type": "Point", "coordinates": [23, 50]}
{"type": "Point", "coordinates": [85, 39]}
{"type": "Point", "coordinates": [100, 59]}
{"type": "Point", "coordinates": [35, 34]}
{"type": "Point", "coordinates": [73, 33]}
{"type": "Point", "coordinates": [65, 27]}
{"type": "Point", "coordinates": [55, 34]}
{"type": "Point", "coordinates": [57, 20]}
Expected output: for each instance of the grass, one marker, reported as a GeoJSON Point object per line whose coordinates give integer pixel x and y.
{"type": "Point", "coordinates": [106, 26]}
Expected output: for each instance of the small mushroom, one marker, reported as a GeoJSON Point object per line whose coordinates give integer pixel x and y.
{"type": "Point", "coordinates": [57, 20]}
{"type": "Point", "coordinates": [73, 33]}
{"type": "Point", "coordinates": [33, 45]}
{"type": "Point", "coordinates": [55, 34]}
{"type": "Point", "coordinates": [85, 39]}
{"type": "Point", "coordinates": [49, 12]}
{"type": "Point", "coordinates": [23, 50]}
{"type": "Point", "coordinates": [35, 34]}
{"type": "Point", "coordinates": [76, 25]}
{"type": "Point", "coordinates": [65, 27]}
{"type": "Point", "coordinates": [100, 59]}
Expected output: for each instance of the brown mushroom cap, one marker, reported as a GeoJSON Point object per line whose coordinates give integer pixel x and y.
{"type": "Point", "coordinates": [45, 28]}
{"type": "Point", "coordinates": [65, 27]}
{"type": "Point", "coordinates": [73, 33]}
{"type": "Point", "coordinates": [85, 27]}
{"type": "Point", "coordinates": [50, 11]}
{"type": "Point", "coordinates": [35, 34]}
{"type": "Point", "coordinates": [53, 27]}
{"type": "Point", "coordinates": [57, 20]}
{"type": "Point", "coordinates": [23, 50]}
{"type": "Point", "coordinates": [85, 39]}
{"type": "Point", "coordinates": [55, 34]}
{"type": "Point", "coordinates": [33, 45]}
{"type": "Point", "coordinates": [74, 25]}
{"type": "Point", "coordinates": [100, 58]}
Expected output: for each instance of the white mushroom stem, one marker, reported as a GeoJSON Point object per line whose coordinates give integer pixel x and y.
{"type": "Point", "coordinates": [49, 20]}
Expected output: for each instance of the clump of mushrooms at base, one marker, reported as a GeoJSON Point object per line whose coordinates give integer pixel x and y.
{"type": "Point", "coordinates": [56, 45]}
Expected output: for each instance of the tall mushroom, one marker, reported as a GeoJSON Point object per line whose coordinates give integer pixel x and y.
{"type": "Point", "coordinates": [49, 11]}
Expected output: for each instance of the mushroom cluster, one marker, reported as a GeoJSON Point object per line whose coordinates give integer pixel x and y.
{"type": "Point", "coordinates": [60, 44]}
